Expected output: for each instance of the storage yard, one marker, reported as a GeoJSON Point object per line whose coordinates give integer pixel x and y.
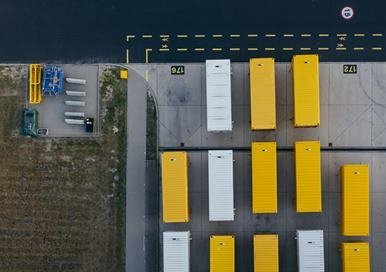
{"type": "Point", "coordinates": [62, 200]}
{"type": "Point", "coordinates": [298, 170]}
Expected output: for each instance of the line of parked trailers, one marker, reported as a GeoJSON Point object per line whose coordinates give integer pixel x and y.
{"type": "Point", "coordinates": [305, 72]}
{"type": "Point", "coordinates": [310, 246]}
{"type": "Point", "coordinates": [354, 177]}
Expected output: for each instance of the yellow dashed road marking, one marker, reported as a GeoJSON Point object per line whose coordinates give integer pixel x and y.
{"type": "Point", "coordinates": [216, 49]}
{"type": "Point", "coordinates": [252, 49]}
{"type": "Point", "coordinates": [217, 35]}
{"type": "Point", "coordinates": [199, 49]}
{"type": "Point", "coordinates": [288, 35]}
{"type": "Point", "coordinates": [235, 35]}
{"type": "Point", "coordinates": [358, 48]}
{"type": "Point", "coordinates": [182, 49]}
{"type": "Point", "coordinates": [234, 49]}
{"type": "Point", "coordinates": [252, 35]}
{"type": "Point", "coordinates": [287, 48]}
{"type": "Point", "coordinates": [182, 36]}
{"type": "Point", "coordinates": [199, 36]}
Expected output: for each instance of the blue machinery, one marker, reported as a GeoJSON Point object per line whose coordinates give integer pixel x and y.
{"type": "Point", "coordinates": [52, 80]}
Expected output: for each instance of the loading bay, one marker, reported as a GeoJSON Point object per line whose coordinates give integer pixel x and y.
{"type": "Point", "coordinates": [352, 130]}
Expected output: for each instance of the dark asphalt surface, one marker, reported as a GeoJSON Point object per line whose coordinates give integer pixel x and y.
{"type": "Point", "coordinates": [96, 30]}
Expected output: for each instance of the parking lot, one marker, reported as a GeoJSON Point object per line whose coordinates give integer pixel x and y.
{"type": "Point", "coordinates": [352, 112]}
{"type": "Point", "coordinates": [52, 109]}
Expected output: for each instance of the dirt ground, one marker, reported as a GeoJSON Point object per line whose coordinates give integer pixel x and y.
{"type": "Point", "coordinates": [62, 200]}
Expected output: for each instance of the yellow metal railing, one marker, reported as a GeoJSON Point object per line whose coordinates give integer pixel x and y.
{"type": "Point", "coordinates": [35, 83]}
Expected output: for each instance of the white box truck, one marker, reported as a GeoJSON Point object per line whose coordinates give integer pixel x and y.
{"type": "Point", "coordinates": [310, 250]}
{"type": "Point", "coordinates": [220, 174]}
{"type": "Point", "coordinates": [218, 95]}
{"type": "Point", "coordinates": [176, 251]}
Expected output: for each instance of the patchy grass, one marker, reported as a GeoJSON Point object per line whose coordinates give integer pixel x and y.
{"type": "Point", "coordinates": [11, 79]}
{"type": "Point", "coordinates": [63, 199]}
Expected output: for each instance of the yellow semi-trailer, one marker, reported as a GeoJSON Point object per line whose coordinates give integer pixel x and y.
{"type": "Point", "coordinates": [308, 176]}
{"type": "Point", "coordinates": [174, 170]}
{"type": "Point", "coordinates": [355, 257]}
{"type": "Point", "coordinates": [35, 83]}
{"type": "Point", "coordinates": [305, 69]}
{"type": "Point", "coordinates": [355, 199]}
{"type": "Point", "coordinates": [222, 253]}
{"type": "Point", "coordinates": [263, 98]}
{"type": "Point", "coordinates": [266, 252]}
{"type": "Point", "coordinates": [264, 177]}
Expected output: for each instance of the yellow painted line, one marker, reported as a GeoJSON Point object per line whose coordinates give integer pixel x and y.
{"type": "Point", "coordinates": [288, 35]}
{"type": "Point", "coordinates": [235, 35]}
{"type": "Point", "coordinates": [323, 48]}
{"type": "Point", "coordinates": [199, 49]}
{"type": "Point", "coordinates": [323, 35]}
{"type": "Point", "coordinates": [270, 35]}
{"type": "Point", "coordinates": [217, 35]}
{"type": "Point", "coordinates": [128, 37]}
{"type": "Point", "coordinates": [340, 48]}
{"type": "Point", "coordinates": [127, 55]}
{"type": "Point", "coordinates": [216, 49]}
{"type": "Point", "coordinates": [341, 35]}
{"type": "Point", "coordinates": [182, 49]}
{"type": "Point", "coordinates": [252, 35]}
{"type": "Point", "coordinates": [147, 50]}
{"type": "Point", "coordinates": [164, 49]}
{"type": "Point", "coordinates": [269, 49]}
{"type": "Point", "coordinates": [305, 48]}
{"type": "Point", "coordinates": [376, 48]}
{"type": "Point", "coordinates": [199, 36]}
{"type": "Point", "coordinates": [164, 36]}
{"type": "Point", "coordinates": [305, 35]}
{"type": "Point", "coordinates": [359, 35]}
{"type": "Point", "coordinates": [358, 48]}
{"type": "Point", "coordinates": [182, 36]}
{"type": "Point", "coordinates": [147, 36]}
{"type": "Point", "coordinates": [234, 49]}
{"type": "Point", "coordinates": [287, 48]}
{"type": "Point", "coordinates": [252, 49]}
{"type": "Point", "coordinates": [377, 34]}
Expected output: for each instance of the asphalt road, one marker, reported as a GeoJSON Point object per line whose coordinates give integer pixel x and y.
{"type": "Point", "coordinates": [135, 171]}
{"type": "Point", "coordinates": [97, 31]}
